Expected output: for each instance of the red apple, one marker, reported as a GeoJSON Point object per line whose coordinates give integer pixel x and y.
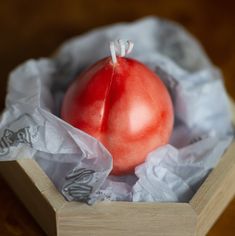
{"type": "Point", "coordinates": [125, 106]}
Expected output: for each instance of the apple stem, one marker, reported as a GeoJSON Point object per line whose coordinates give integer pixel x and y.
{"type": "Point", "coordinates": [120, 48]}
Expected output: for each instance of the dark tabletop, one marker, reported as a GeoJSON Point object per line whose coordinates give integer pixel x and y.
{"type": "Point", "coordinates": [31, 29]}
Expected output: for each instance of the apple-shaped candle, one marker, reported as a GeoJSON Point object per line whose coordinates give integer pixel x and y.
{"type": "Point", "coordinates": [123, 104]}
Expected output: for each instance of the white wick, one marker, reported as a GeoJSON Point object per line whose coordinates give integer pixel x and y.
{"type": "Point", "coordinates": [121, 48]}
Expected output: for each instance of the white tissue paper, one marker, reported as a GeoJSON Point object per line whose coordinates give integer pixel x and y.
{"type": "Point", "coordinates": [77, 163]}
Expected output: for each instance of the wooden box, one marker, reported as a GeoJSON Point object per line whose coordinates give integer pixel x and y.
{"type": "Point", "coordinates": [59, 217]}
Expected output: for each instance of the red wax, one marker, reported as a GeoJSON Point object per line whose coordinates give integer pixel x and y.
{"type": "Point", "coordinates": [123, 105]}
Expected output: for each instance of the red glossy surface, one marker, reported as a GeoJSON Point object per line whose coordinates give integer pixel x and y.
{"type": "Point", "coordinates": [125, 106]}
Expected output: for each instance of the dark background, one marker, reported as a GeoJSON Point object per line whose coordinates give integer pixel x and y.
{"type": "Point", "coordinates": [32, 29]}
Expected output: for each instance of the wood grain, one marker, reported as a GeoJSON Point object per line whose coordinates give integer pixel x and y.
{"type": "Point", "coordinates": [215, 193]}
{"type": "Point", "coordinates": [123, 218]}
{"type": "Point", "coordinates": [32, 29]}
{"type": "Point", "coordinates": [25, 187]}
{"type": "Point", "coordinates": [59, 217]}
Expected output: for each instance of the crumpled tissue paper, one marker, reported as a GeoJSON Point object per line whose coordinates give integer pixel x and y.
{"type": "Point", "coordinates": [77, 163]}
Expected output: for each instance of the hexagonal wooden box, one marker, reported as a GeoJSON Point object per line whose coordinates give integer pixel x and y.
{"type": "Point", "coordinates": [59, 217]}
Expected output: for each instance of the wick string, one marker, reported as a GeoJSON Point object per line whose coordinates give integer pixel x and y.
{"type": "Point", "coordinates": [120, 48]}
